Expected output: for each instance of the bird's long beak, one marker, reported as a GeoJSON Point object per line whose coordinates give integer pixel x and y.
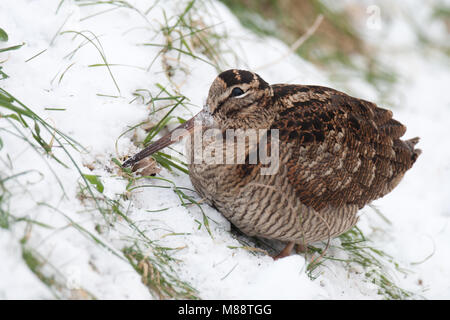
{"type": "Point", "coordinates": [174, 136]}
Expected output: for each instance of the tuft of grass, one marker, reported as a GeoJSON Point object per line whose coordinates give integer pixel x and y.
{"type": "Point", "coordinates": [9, 187]}
{"type": "Point", "coordinates": [164, 99]}
{"type": "Point", "coordinates": [361, 252]}
{"type": "Point", "coordinates": [289, 20]}
{"type": "Point", "coordinates": [51, 277]}
{"type": "Point", "coordinates": [166, 284]}
{"type": "Point", "coordinates": [21, 118]}
{"type": "Point", "coordinates": [91, 38]}
{"type": "Point", "coordinates": [330, 47]}
{"type": "Point", "coordinates": [162, 123]}
{"type": "Point", "coordinates": [186, 34]}
{"type": "Point", "coordinates": [26, 123]}
{"type": "Point", "coordinates": [162, 285]}
{"type": "Point", "coordinates": [185, 199]}
{"type": "Point", "coordinates": [35, 264]}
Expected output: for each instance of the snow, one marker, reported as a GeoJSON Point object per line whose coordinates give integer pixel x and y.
{"type": "Point", "coordinates": [96, 114]}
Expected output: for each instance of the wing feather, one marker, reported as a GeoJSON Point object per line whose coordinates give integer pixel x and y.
{"type": "Point", "coordinates": [342, 150]}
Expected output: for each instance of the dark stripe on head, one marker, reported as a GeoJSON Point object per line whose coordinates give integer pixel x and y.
{"type": "Point", "coordinates": [246, 76]}
{"type": "Point", "coordinates": [233, 77]}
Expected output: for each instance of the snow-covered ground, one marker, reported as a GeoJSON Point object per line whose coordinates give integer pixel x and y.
{"type": "Point", "coordinates": [97, 111]}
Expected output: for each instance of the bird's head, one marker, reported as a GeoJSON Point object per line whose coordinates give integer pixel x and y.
{"type": "Point", "coordinates": [237, 99]}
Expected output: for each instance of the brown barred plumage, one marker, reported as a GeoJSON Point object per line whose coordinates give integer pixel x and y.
{"type": "Point", "coordinates": [337, 153]}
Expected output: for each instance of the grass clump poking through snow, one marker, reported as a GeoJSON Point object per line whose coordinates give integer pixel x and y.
{"type": "Point", "coordinates": [334, 45]}
{"type": "Point", "coordinates": [165, 283]}
{"type": "Point", "coordinates": [25, 123]}
{"type": "Point", "coordinates": [150, 270]}
{"type": "Point", "coordinates": [187, 34]}
{"type": "Point", "coordinates": [91, 38]}
{"type": "Point", "coordinates": [60, 286]}
{"type": "Point", "coordinates": [361, 255]}
{"type": "Point", "coordinates": [18, 113]}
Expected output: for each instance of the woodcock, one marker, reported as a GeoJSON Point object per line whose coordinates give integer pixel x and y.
{"type": "Point", "coordinates": [336, 154]}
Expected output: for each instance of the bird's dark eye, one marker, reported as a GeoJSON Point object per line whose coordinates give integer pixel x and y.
{"type": "Point", "coordinates": [236, 92]}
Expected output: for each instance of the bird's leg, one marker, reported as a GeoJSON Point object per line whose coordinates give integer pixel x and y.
{"type": "Point", "coordinates": [300, 247]}
{"type": "Point", "coordinates": [286, 251]}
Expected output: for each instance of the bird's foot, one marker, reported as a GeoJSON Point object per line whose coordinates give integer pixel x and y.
{"type": "Point", "coordinates": [286, 251]}
{"type": "Point", "coordinates": [299, 248]}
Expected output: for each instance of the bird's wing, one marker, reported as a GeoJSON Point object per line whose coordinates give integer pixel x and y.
{"type": "Point", "coordinates": [340, 150]}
